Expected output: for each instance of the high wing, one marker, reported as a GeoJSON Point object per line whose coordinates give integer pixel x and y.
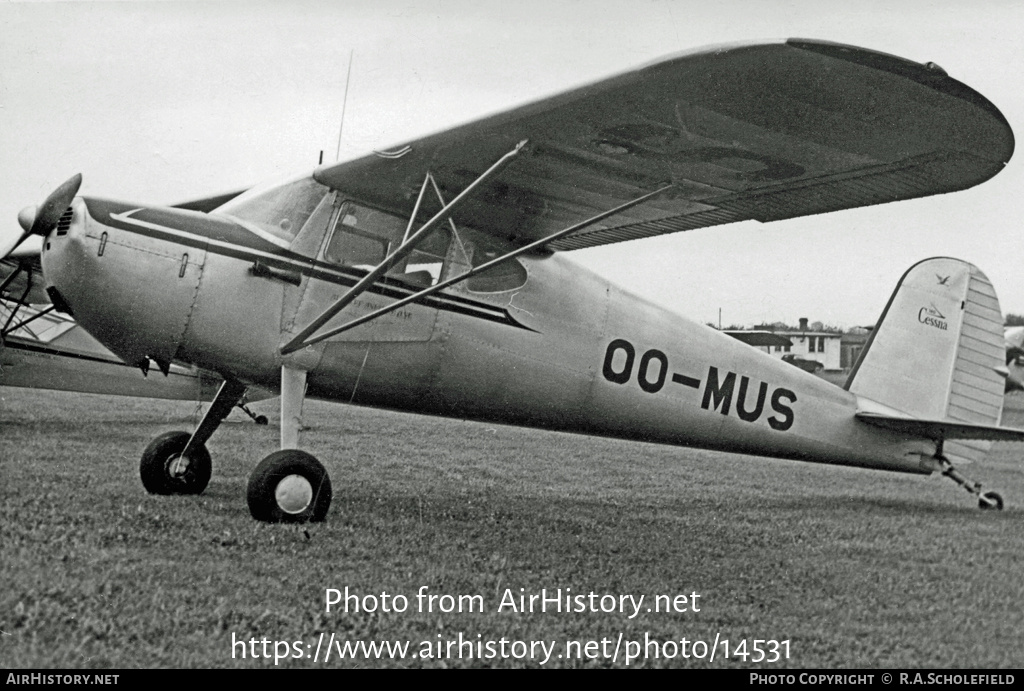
{"type": "Point", "coordinates": [89, 368]}
{"type": "Point", "coordinates": [764, 131]}
{"type": "Point", "coordinates": [54, 352]}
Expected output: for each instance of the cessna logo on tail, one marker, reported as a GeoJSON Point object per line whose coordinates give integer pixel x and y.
{"type": "Point", "coordinates": [932, 317]}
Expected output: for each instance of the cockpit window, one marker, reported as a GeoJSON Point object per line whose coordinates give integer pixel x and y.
{"type": "Point", "coordinates": [363, 237]}
{"type": "Point", "coordinates": [281, 210]}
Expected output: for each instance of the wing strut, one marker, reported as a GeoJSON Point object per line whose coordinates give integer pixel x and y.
{"type": "Point", "coordinates": [299, 341]}
{"type": "Point", "coordinates": [18, 303]}
{"type": "Point", "coordinates": [20, 325]}
{"type": "Point", "coordinates": [10, 279]}
{"type": "Point", "coordinates": [483, 267]}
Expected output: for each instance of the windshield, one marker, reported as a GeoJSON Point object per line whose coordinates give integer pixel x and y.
{"type": "Point", "coordinates": [280, 210]}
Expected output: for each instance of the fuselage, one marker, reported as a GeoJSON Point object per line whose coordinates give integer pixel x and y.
{"type": "Point", "coordinates": [543, 342]}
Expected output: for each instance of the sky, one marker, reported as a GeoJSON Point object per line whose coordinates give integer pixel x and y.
{"type": "Point", "coordinates": [159, 102]}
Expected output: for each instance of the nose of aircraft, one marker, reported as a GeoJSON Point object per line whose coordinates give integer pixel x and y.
{"type": "Point", "coordinates": [129, 275]}
{"type": "Point", "coordinates": [27, 218]}
{"type": "Point", "coordinates": [40, 220]}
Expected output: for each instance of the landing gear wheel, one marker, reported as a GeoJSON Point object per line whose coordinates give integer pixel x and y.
{"type": "Point", "coordinates": [258, 419]}
{"type": "Point", "coordinates": [289, 486]}
{"type": "Point", "coordinates": [165, 471]}
{"type": "Point", "coordinates": [990, 500]}
{"type": "Point", "coordinates": [986, 500]}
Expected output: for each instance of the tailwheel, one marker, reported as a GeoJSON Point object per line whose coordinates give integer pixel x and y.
{"type": "Point", "coordinates": [289, 486]}
{"type": "Point", "coordinates": [258, 419]}
{"type": "Point", "coordinates": [990, 501]}
{"type": "Point", "coordinates": [165, 469]}
{"type": "Point", "coordinates": [986, 500]}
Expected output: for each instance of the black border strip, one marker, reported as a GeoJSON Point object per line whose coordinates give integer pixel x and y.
{"type": "Point", "coordinates": [240, 244]}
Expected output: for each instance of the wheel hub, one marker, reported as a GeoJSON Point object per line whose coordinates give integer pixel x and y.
{"type": "Point", "coordinates": [293, 494]}
{"type": "Point", "coordinates": [177, 466]}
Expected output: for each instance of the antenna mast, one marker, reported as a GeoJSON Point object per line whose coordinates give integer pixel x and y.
{"type": "Point", "coordinates": [344, 102]}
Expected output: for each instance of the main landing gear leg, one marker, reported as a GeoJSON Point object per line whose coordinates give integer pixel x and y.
{"type": "Point", "coordinates": [178, 462]}
{"type": "Point", "coordinates": [290, 486]}
{"type": "Point", "coordinates": [986, 500]}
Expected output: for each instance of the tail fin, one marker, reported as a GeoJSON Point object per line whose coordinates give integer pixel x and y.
{"type": "Point", "coordinates": [937, 352]}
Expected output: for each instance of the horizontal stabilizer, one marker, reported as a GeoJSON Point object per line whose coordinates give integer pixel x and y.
{"type": "Point", "coordinates": [940, 430]}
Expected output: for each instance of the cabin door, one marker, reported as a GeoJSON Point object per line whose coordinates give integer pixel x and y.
{"type": "Point", "coordinates": [357, 239]}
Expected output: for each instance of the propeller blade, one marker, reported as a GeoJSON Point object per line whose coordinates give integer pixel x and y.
{"type": "Point", "coordinates": [7, 249]}
{"type": "Point", "coordinates": [40, 220]}
{"type": "Point", "coordinates": [53, 208]}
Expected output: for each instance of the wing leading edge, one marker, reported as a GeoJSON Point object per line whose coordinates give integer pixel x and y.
{"type": "Point", "coordinates": [764, 132]}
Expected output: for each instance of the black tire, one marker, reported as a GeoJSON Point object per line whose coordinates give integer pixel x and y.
{"type": "Point", "coordinates": [163, 472]}
{"type": "Point", "coordinates": [261, 420]}
{"type": "Point", "coordinates": [994, 501]}
{"type": "Point", "coordinates": [289, 486]}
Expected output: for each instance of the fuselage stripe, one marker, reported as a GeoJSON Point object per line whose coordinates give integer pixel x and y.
{"type": "Point", "coordinates": [307, 267]}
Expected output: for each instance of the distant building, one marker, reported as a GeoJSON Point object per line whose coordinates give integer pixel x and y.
{"type": "Point", "coordinates": [820, 345]}
{"type": "Point", "coordinates": [852, 345]}
{"type": "Point", "coordinates": [836, 351]}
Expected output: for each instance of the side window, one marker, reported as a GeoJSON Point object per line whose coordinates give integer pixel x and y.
{"type": "Point", "coordinates": [363, 237]}
{"type": "Point", "coordinates": [508, 275]}
{"type": "Point", "coordinates": [351, 245]}
{"type": "Point", "coordinates": [426, 262]}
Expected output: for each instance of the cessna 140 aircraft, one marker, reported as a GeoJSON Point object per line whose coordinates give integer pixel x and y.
{"type": "Point", "coordinates": [433, 277]}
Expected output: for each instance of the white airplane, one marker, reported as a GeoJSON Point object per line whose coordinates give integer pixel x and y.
{"type": "Point", "coordinates": [1014, 338]}
{"type": "Point", "coordinates": [433, 277]}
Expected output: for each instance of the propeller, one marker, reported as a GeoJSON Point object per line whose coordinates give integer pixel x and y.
{"type": "Point", "coordinates": [40, 220]}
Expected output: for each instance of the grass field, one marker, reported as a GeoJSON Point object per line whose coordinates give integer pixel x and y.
{"type": "Point", "coordinates": [854, 568]}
